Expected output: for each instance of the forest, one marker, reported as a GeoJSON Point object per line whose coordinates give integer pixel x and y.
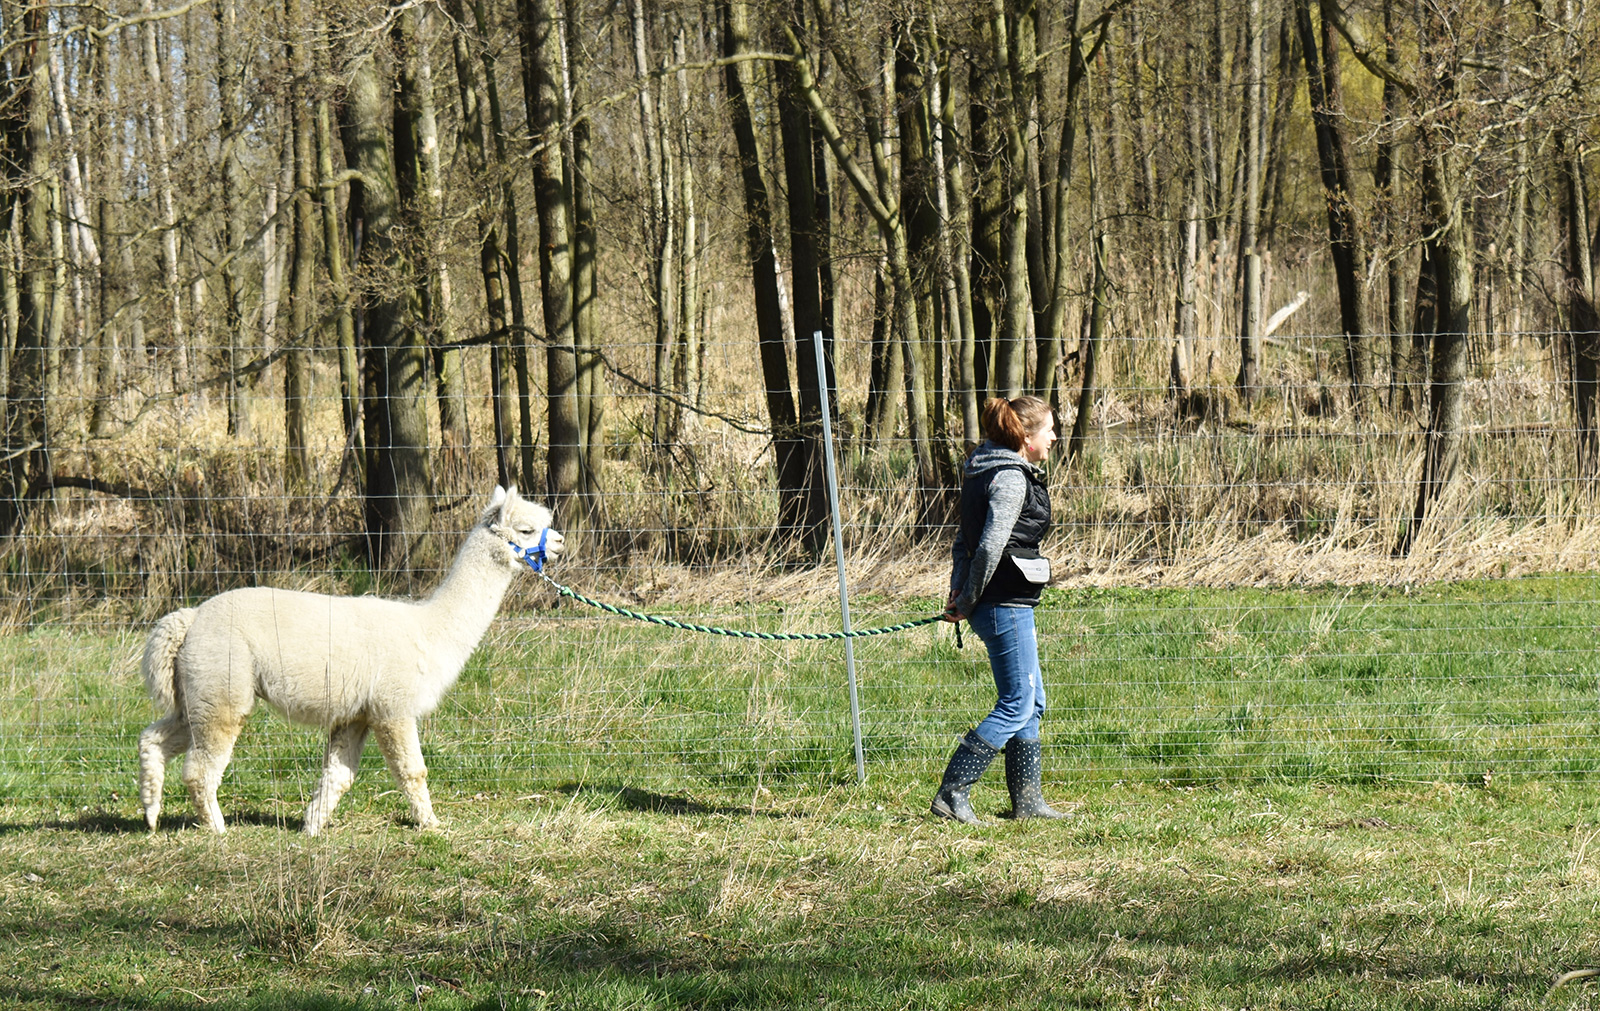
{"type": "Point", "coordinates": [289, 286]}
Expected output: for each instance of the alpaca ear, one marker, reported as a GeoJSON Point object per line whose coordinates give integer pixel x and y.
{"type": "Point", "coordinates": [493, 512]}
{"type": "Point", "coordinates": [508, 504]}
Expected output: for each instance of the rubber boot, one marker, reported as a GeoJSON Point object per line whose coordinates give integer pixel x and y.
{"type": "Point", "coordinates": [1022, 780]}
{"type": "Point", "coordinates": [971, 757]}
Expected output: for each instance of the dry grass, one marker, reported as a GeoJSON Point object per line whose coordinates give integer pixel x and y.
{"type": "Point", "coordinates": [1277, 495]}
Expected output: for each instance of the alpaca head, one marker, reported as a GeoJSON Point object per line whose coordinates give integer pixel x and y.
{"type": "Point", "coordinates": [518, 521]}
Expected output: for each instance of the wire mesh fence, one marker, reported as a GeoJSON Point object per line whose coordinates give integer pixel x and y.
{"type": "Point", "coordinates": [1239, 595]}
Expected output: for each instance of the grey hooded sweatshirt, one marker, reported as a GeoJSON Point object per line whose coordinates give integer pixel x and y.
{"type": "Point", "coordinates": [972, 567]}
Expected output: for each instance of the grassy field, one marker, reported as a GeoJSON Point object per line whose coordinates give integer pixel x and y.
{"type": "Point", "coordinates": [1331, 797]}
{"type": "Point", "coordinates": [1270, 896]}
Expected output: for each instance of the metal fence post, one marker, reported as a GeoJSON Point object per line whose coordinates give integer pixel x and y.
{"type": "Point", "coordinates": [838, 554]}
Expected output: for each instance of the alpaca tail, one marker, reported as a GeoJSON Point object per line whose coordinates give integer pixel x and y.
{"type": "Point", "coordinates": [160, 654]}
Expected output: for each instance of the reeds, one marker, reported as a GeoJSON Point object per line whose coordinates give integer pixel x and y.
{"type": "Point", "coordinates": [1283, 494]}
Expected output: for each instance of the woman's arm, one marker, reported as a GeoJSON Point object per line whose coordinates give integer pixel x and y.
{"type": "Point", "coordinates": [1007, 493]}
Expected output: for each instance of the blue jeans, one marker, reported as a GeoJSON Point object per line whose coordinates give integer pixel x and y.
{"type": "Point", "coordinates": [1008, 634]}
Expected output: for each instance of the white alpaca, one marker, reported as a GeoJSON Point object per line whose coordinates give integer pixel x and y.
{"type": "Point", "coordinates": [349, 664]}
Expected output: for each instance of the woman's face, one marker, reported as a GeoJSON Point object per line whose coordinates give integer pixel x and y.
{"type": "Point", "coordinates": [1036, 449]}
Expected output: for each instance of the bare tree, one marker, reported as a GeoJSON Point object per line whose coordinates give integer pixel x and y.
{"type": "Point", "coordinates": [1089, 349]}
{"type": "Point", "coordinates": [661, 234]}
{"type": "Point", "coordinates": [1432, 90]}
{"type": "Point", "coordinates": [781, 413]}
{"type": "Point", "coordinates": [478, 145]}
{"type": "Point", "coordinates": [27, 468]}
{"type": "Point", "coordinates": [1344, 223]}
{"type": "Point", "coordinates": [539, 23]}
{"type": "Point", "coordinates": [1249, 380]}
{"type": "Point", "coordinates": [344, 329]}
{"type": "Point", "coordinates": [162, 141]}
{"type": "Point", "coordinates": [877, 192]}
{"type": "Point", "coordinates": [585, 273]}
{"type": "Point", "coordinates": [302, 262]}
{"type": "Point", "coordinates": [231, 123]}
{"type": "Point", "coordinates": [399, 475]}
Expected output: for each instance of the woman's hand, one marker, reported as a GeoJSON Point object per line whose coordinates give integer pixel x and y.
{"type": "Point", "coordinates": [950, 612]}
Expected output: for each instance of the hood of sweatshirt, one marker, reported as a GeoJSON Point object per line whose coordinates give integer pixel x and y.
{"type": "Point", "coordinates": [989, 456]}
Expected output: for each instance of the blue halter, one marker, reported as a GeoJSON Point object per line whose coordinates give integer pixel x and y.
{"type": "Point", "coordinates": [534, 556]}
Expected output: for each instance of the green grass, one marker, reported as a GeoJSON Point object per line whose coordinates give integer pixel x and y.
{"type": "Point", "coordinates": [1271, 896]}
{"type": "Point", "coordinates": [1189, 687]}
{"type": "Point", "coordinates": [1327, 797]}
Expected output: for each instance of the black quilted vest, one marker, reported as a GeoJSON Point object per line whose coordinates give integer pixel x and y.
{"type": "Point", "coordinates": [1007, 586]}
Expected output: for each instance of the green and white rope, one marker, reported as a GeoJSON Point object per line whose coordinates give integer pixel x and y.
{"type": "Point", "coordinates": [736, 633]}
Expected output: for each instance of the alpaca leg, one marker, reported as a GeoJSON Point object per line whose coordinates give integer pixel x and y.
{"type": "Point", "coordinates": [338, 772]}
{"type": "Point", "coordinates": [397, 739]}
{"type": "Point", "coordinates": [161, 742]}
{"type": "Point", "coordinates": [210, 751]}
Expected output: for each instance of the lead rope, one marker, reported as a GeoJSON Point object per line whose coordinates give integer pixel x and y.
{"type": "Point", "coordinates": [534, 557]}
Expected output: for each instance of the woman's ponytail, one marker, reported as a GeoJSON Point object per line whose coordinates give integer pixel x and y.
{"type": "Point", "coordinates": [1008, 423]}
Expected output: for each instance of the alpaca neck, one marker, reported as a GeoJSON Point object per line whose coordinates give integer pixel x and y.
{"type": "Point", "coordinates": [461, 608]}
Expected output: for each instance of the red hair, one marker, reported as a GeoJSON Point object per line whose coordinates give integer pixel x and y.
{"type": "Point", "coordinates": [1009, 422]}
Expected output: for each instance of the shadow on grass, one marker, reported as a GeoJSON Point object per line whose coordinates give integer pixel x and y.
{"type": "Point", "coordinates": [631, 798]}
{"type": "Point", "coordinates": [962, 949]}
{"type": "Point", "coordinates": [106, 823]}
{"type": "Point", "coordinates": [173, 999]}
{"type": "Point", "coordinates": [958, 948]}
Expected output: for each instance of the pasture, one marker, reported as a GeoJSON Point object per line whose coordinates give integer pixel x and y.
{"type": "Point", "coordinates": [1329, 797]}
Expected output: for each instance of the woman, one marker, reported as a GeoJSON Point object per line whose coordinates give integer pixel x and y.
{"type": "Point", "coordinates": [995, 584]}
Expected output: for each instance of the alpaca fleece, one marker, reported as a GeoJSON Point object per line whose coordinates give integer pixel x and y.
{"type": "Point", "coordinates": [352, 665]}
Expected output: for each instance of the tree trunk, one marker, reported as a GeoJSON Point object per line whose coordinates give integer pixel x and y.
{"type": "Point", "coordinates": [234, 228]}
{"type": "Point", "coordinates": [987, 202]}
{"type": "Point", "coordinates": [917, 179]}
{"type": "Point", "coordinates": [1388, 215]}
{"type": "Point", "coordinates": [399, 481]}
{"type": "Point", "coordinates": [1047, 382]}
{"type": "Point", "coordinates": [1344, 225]}
{"type": "Point", "coordinates": [539, 22]}
{"type": "Point", "coordinates": [1452, 268]}
{"type": "Point", "coordinates": [27, 462]}
{"type": "Point", "coordinates": [878, 193]}
{"type": "Point", "coordinates": [1089, 349]}
{"type": "Point", "coordinates": [886, 374]}
{"type": "Point", "coordinates": [1249, 380]}
{"type": "Point", "coordinates": [163, 178]}
{"type": "Point", "coordinates": [516, 386]}
{"type": "Point", "coordinates": [1583, 321]}
{"type": "Point", "coordinates": [585, 246]}
{"type": "Point", "coordinates": [476, 142]}
{"type": "Point", "coordinates": [229, 75]}
{"type": "Point", "coordinates": [455, 438]}
{"type": "Point", "coordinates": [787, 449]}
{"type": "Point", "coordinates": [344, 330]}
{"type": "Point", "coordinates": [794, 129]}
{"type": "Point", "coordinates": [1012, 332]}
{"type": "Point", "coordinates": [271, 275]}
{"type": "Point", "coordinates": [1283, 112]}
{"type": "Point", "coordinates": [687, 377]}
{"type": "Point", "coordinates": [84, 250]}
{"type": "Point", "coordinates": [1186, 312]}
{"type": "Point", "coordinates": [297, 357]}
{"type": "Point", "coordinates": [109, 276]}
{"type": "Point", "coordinates": [954, 247]}
{"type": "Point", "coordinates": [660, 232]}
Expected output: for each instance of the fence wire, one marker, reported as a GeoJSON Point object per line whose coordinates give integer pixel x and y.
{"type": "Point", "coordinates": [1244, 589]}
